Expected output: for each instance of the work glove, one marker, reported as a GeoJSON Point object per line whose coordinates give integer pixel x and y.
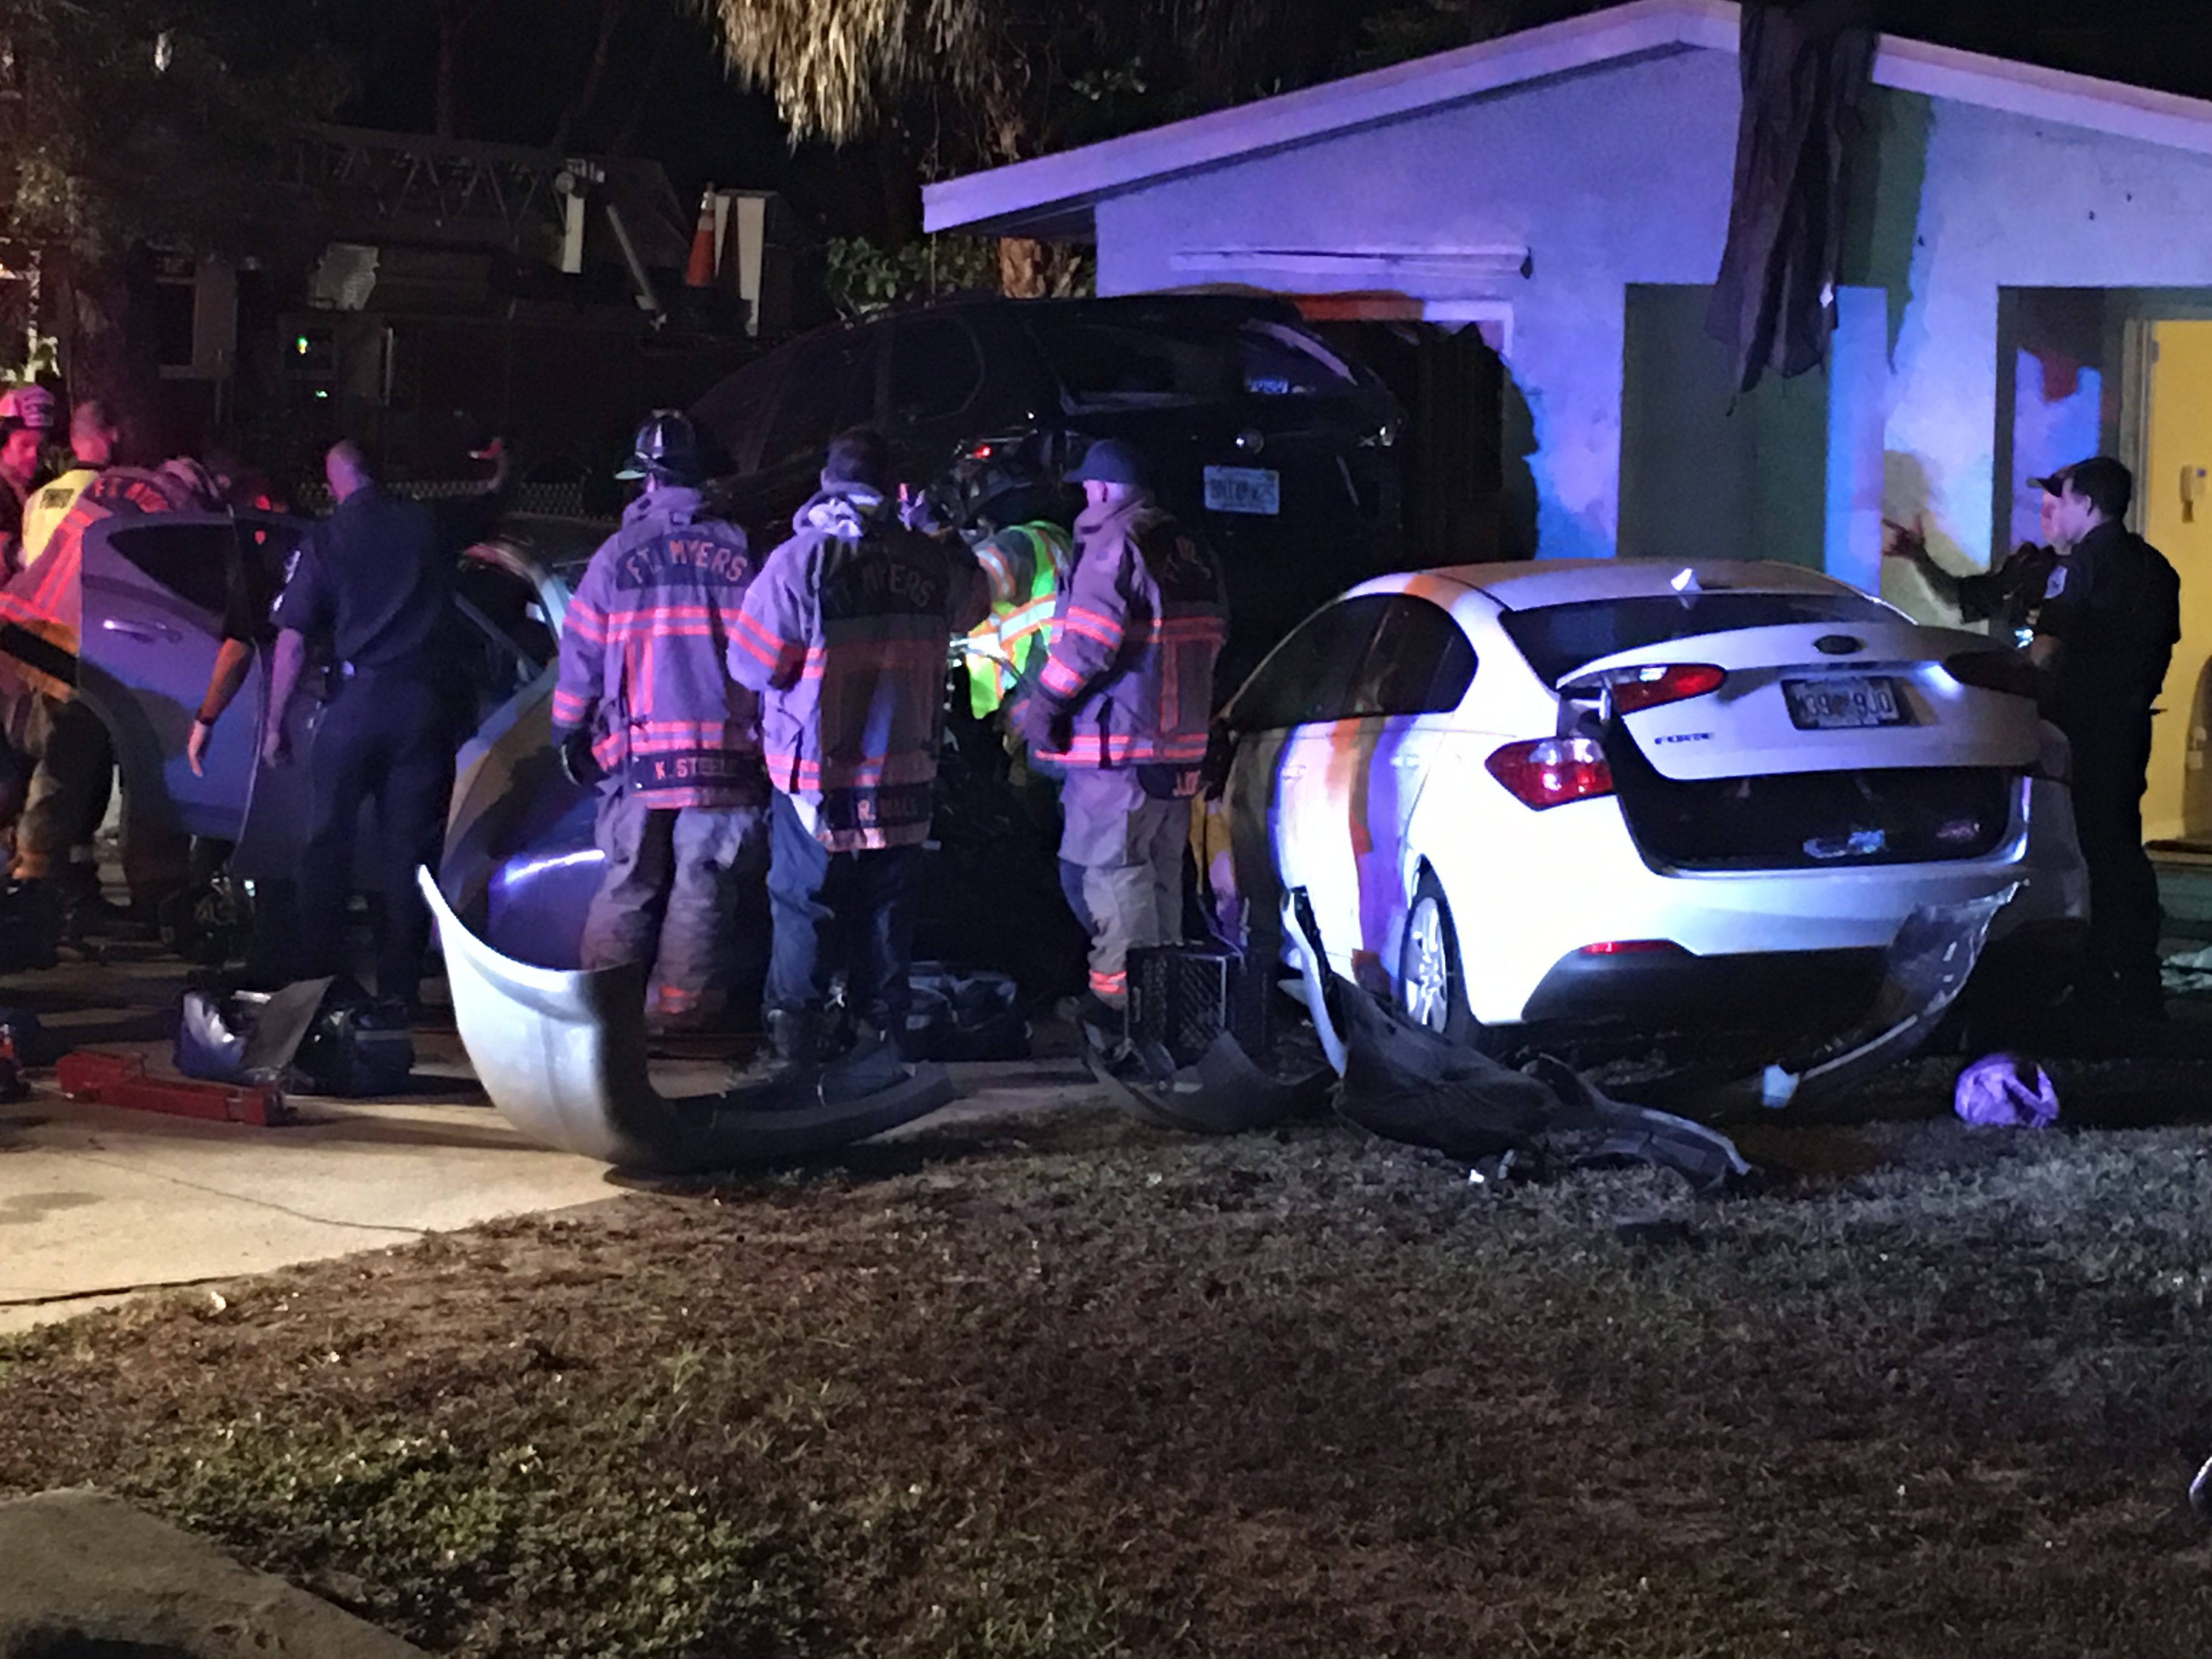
{"type": "Point", "coordinates": [578, 764]}
{"type": "Point", "coordinates": [1046, 729]}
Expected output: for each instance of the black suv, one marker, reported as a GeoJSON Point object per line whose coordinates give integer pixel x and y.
{"type": "Point", "coordinates": [1278, 444]}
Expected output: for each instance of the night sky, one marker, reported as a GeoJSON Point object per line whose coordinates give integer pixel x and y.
{"type": "Point", "coordinates": [664, 93]}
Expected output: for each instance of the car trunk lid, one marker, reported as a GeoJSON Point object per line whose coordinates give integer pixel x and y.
{"type": "Point", "coordinates": [1809, 697]}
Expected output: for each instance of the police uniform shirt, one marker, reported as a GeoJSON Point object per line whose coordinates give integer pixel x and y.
{"type": "Point", "coordinates": [2115, 604]}
{"type": "Point", "coordinates": [374, 577]}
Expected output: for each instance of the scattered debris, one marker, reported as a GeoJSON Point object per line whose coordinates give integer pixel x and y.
{"type": "Point", "coordinates": [2006, 1092]}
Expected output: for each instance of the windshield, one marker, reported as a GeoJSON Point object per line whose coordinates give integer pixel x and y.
{"type": "Point", "coordinates": [1154, 362]}
{"type": "Point", "coordinates": [1558, 639]}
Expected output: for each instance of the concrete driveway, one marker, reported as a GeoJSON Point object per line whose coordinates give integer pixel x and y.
{"type": "Point", "coordinates": [98, 1203]}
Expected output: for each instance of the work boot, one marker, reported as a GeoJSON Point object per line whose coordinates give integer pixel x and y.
{"type": "Point", "coordinates": [793, 1048]}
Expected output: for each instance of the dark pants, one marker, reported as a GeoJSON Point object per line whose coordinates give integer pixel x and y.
{"type": "Point", "coordinates": [385, 740]}
{"type": "Point", "coordinates": [671, 896]}
{"type": "Point", "coordinates": [2109, 773]}
{"type": "Point", "coordinates": [850, 911]}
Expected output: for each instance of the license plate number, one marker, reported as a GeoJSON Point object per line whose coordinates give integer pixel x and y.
{"type": "Point", "coordinates": [1843, 704]}
{"type": "Point", "coordinates": [1243, 489]}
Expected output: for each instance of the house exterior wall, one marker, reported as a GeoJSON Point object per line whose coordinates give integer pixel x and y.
{"type": "Point", "coordinates": [2004, 201]}
{"type": "Point", "coordinates": [1621, 174]}
{"type": "Point", "coordinates": [1615, 175]}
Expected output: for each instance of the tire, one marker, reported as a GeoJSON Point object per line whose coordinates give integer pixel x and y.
{"type": "Point", "coordinates": [1431, 989]}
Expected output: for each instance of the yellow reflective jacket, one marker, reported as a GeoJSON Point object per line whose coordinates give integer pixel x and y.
{"type": "Point", "coordinates": [1025, 565]}
{"type": "Point", "coordinates": [49, 505]}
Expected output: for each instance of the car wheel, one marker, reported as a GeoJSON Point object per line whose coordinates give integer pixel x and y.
{"type": "Point", "coordinates": [1431, 988]}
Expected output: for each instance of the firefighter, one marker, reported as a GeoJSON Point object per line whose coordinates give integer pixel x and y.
{"type": "Point", "coordinates": [645, 706]}
{"type": "Point", "coordinates": [375, 580]}
{"type": "Point", "coordinates": [73, 777]}
{"type": "Point", "coordinates": [844, 633]}
{"type": "Point", "coordinates": [92, 437]}
{"type": "Point", "coordinates": [1122, 705]}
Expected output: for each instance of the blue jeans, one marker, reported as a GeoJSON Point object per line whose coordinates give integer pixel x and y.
{"type": "Point", "coordinates": [839, 911]}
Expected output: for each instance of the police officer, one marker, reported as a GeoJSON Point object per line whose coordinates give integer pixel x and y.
{"type": "Point", "coordinates": [375, 580]}
{"type": "Point", "coordinates": [2104, 635]}
{"type": "Point", "coordinates": [844, 633]}
{"type": "Point", "coordinates": [2009, 594]}
{"type": "Point", "coordinates": [1122, 704]}
{"type": "Point", "coordinates": [644, 700]}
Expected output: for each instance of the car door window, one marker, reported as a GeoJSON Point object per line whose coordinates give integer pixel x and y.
{"type": "Point", "coordinates": [192, 561]}
{"type": "Point", "coordinates": [1417, 662]}
{"type": "Point", "coordinates": [831, 388]}
{"type": "Point", "coordinates": [935, 370]}
{"type": "Point", "coordinates": [1307, 677]}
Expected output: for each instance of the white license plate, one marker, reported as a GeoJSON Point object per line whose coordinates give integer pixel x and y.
{"type": "Point", "coordinates": [1243, 489]}
{"type": "Point", "coordinates": [1842, 703]}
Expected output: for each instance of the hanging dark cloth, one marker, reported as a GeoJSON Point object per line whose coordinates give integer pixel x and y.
{"type": "Point", "coordinates": [1805, 68]}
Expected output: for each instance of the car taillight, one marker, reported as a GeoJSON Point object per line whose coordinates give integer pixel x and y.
{"type": "Point", "coordinates": [1647, 688]}
{"type": "Point", "coordinates": [1634, 947]}
{"type": "Point", "coordinates": [1552, 771]}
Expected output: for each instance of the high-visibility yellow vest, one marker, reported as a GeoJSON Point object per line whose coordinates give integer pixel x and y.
{"type": "Point", "coordinates": [49, 505]}
{"type": "Point", "coordinates": [1025, 565]}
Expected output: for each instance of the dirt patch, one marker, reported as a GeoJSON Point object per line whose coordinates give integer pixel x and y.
{"type": "Point", "coordinates": [1073, 1386]}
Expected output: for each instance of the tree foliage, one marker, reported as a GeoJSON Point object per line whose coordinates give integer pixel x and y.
{"type": "Point", "coordinates": [980, 82]}
{"type": "Point", "coordinates": [153, 119]}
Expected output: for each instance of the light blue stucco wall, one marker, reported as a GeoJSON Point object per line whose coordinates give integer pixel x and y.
{"type": "Point", "coordinates": [1621, 174]}
{"type": "Point", "coordinates": [2008, 201]}
{"type": "Point", "coordinates": [1616, 175]}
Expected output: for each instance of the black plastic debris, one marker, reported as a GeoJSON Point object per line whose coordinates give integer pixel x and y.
{"type": "Point", "coordinates": [1405, 1083]}
{"type": "Point", "coordinates": [1183, 1055]}
{"type": "Point", "coordinates": [1221, 1092]}
{"type": "Point", "coordinates": [307, 1038]}
{"type": "Point", "coordinates": [963, 1014]}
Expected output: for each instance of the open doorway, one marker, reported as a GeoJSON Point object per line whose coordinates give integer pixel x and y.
{"type": "Point", "coordinates": [2127, 372]}
{"type": "Point", "coordinates": [2172, 359]}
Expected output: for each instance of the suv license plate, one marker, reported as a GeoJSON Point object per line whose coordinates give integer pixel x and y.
{"type": "Point", "coordinates": [1843, 704]}
{"type": "Point", "coordinates": [1243, 489]}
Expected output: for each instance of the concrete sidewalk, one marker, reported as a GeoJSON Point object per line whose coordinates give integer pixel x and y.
{"type": "Point", "coordinates": [98, 1203]}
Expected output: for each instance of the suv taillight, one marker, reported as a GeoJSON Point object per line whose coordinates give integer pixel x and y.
{"type": "Point", "coordinates": [1647, 688]}
{"type": "Point", "coordinates": [1552, 771]}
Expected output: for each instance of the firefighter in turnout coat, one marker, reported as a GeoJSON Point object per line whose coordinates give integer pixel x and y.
{"type": "Point", "coordinates": [1122, 706]}
{"type": "Point", "coordinates": [644, 703]}
{"type": "Point", "coordinates": [845, 633]}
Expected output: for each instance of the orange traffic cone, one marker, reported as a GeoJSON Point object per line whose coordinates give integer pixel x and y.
{"type": "Point", "coordinates": [699, 269]}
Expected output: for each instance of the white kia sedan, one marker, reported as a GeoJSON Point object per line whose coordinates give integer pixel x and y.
{"type": "Point", "coordinates": [1598, 791]}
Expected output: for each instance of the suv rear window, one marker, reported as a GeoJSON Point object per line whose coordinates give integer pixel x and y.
{"type": "Point", "coordinates": [1124, 363]}
{"type": "Point", "coordinates": [1558, 639]}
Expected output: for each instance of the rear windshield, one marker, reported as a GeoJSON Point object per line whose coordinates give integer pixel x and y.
{"type": "Point", "coordinates": [1106, 363]}
{"type": "Point", "coordinates": [1558, 639]}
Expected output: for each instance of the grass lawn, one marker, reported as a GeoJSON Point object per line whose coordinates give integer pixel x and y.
{"type": "Point", "coordinates": [1066, 1385]}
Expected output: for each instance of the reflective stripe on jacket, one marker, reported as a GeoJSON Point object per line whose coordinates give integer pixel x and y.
{"type": "Point", "coordinates": [48, 505]}
{"type": "Point", "coordinates": [845, 634]}
{"type": "Point", "coordinates": [644, 652]}
{"type": "Point", "coordinates": [1135, 641]}
{"type": "Point", "coordinates": [1025, 565]}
